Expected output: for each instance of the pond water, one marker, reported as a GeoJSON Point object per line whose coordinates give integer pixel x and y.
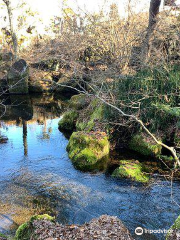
{"type": "Point", "coordinates": [36, 176]}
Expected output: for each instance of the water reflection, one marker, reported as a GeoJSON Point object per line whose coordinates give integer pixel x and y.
{"type": "Point", "coordinates": [22, 110]}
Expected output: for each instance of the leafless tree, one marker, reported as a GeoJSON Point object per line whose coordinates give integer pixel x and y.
{"type": "Point", "coordinates": [12, 30]}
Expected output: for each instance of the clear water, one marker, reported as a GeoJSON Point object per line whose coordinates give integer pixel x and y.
{"type": "Point", "coordinates": [37, 176]}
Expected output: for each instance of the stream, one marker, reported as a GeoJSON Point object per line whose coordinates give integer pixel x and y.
{"type": "Point", "coordinates": [36, 177]}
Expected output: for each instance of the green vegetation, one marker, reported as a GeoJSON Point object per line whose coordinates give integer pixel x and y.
{"type": "Point", "coordinates": [3, 236]}
{"type": "Point", "coordinates": [68, 121]}
{"type": "Point", "coordinates": [87, 150]}
{"type": "Point", "coordinates": [174, 228]}
{"type": "Point", "coordinates": [157, 90]}
{"type": "Point", "coordinates": [131, 169]}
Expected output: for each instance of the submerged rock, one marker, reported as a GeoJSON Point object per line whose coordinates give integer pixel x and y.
{"type": "Point", "coordinates": [174, 231]}
{"type": "Point", "coordinates": [18, 78]}
{"type": "Point", "coordinates": [68, 121]}
{"type": "Point", "coordinates": [132, 170]}
{"type": "Point", "coordinates": [87, 150]}
{"type": "Point", "coordinates": [104, 227]}
{"type": "Point", "coordinates": [3, 139]}
{"type": "Point", "coordinates": [141, 145]}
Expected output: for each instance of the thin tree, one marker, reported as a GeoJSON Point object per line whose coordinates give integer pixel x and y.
{"type": "Point", "coordinates": [11, 25]}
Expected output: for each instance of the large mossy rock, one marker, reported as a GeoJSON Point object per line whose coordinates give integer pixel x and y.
{"type": "Point", "coordinates": [142, 145]}
{"type": "Point", "coordinates": [25, 231]}
{"type": "Point", "coordinates": [18, 78]}
{"type": "Point", "coordinates": [88, 151]}
{"type": "Point", "coordinates": [174, 231]}
{"type": "Point", "coordinates": [132, 170]}
{"type": "Point", "coordinates": [78, 101]}
{"type": "Point", "coordinates": [91, 118]}
{"type": "Point", "coordinates": [68, 121]}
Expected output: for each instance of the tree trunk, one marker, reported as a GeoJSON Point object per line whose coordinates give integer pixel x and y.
{"type": "Point", "coordinates": [153, 12]}
{"type": "Point", "coordinates": [13, 33]}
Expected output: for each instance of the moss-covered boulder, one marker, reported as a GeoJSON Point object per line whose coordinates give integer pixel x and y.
{"type": "Point", "coordinates": [143, 146]}
{"type": "Point", "coordinates": [68, 121]}
{"type": "Point", "coordinates": [91, 118]}
{"type": "Point", "coordinates": [174, 231]}
{"type": "Point", "coordinates": [78, 101]}
{"type": "Point", "coordinates": [132, 170]}
{"type": "Point", "coordinates": [88, 151]}
{"type": "Point", "coordinates": [25, 231]}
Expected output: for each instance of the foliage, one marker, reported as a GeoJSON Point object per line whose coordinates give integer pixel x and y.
{"type": "Point", "coordinates": [152, 95]}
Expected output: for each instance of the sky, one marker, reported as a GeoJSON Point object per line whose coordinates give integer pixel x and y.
{"type": "Point", "coordinates": [47, 9]}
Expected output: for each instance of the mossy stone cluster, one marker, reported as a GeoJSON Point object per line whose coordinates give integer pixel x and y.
{"type": "Point", "coordinates": [68, 121]}
{"type": "Point", "coordinates": [142, 146]}
{"type": "Point", "coordinates": [132, 170]}
{"type": "Point", "coordinates": [86, 150]}
{"type": "Point", "coordinates": [25, 231]}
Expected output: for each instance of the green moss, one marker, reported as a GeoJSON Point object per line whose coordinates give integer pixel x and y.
{"type": "Point", "coordinates": [25, 231]}
{"type": "Point", "coordinates": [174, 227]}
{"type": "Point", "coordinates": [68, 121]}
{"type": "Point", "coordinates": [78, 102]}
{"type": "Point", "coordinates": [93, 114]}
{"type": "Point", "coordinates": [87, 149]}
{"type": "Point", "coordinates": [132, 170]}
{"type": "Point", "coordinates": [140, 145]}
{"type": "Point", "coordinates": [41, 217]}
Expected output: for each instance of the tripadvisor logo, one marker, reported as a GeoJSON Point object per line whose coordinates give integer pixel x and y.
{"type": "Point", "coordinates": [139, 231]}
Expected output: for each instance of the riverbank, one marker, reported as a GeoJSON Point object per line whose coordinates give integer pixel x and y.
{"type": "Point", "coordinates": [44, 227]}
